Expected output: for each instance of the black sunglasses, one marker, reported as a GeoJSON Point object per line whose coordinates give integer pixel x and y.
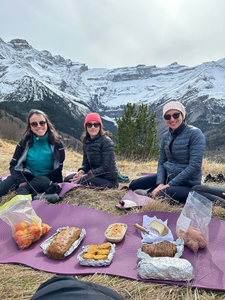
{"type": "Point", "coordinates": [175, 116]}
{"type": "Point", "coordinates": [35, 124]}
{"type": "Point", "coordinates": [96, 125]}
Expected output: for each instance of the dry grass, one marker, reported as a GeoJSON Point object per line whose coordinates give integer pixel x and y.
{"type": "Point", "coordinates": [20, 282]}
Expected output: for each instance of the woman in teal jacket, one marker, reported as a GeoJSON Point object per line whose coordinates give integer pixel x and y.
{"type": "Point", "coordinates": [38, 158]}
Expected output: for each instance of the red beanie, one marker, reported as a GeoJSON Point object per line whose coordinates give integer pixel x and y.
{"type": "Point", "coordinates": [92, 117]}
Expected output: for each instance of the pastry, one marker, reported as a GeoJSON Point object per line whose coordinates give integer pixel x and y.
{"type": "Point", "coordinates": [103, 251]}
{"type": "Point", "coordinates": [105, 246]}
{"type": "Point", "coordinates": [99, 257]}
{"type": "Point", "coordinates": [88, 256]}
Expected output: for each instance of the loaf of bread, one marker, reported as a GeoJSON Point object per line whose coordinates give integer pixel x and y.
{"type": "Point", "coordinates": [160, 227]}
{"type": "Point", "coordinates": [163, 249]}
{"type": "Point", "coordinates": [62, 242]}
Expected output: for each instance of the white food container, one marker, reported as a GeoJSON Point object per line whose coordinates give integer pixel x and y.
{"type": "Point", "coordinates": [118, 235]}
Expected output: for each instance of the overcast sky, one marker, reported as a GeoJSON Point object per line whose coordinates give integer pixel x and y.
{"type": "Point", "coordinates": [119, 33]}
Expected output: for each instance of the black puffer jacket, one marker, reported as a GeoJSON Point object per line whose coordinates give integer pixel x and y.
{"type": "Point", "coordinates": [99, 158]}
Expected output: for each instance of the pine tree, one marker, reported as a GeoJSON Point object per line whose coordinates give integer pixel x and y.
{"type": "Point", "coordinates": [137, 133]}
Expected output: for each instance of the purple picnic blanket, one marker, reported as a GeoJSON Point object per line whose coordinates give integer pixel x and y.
{"type": "Point", "coordinates": [208, 263]}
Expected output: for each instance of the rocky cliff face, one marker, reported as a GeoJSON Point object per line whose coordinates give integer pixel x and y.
{"type": "Point", "coordinates": [28, 76]}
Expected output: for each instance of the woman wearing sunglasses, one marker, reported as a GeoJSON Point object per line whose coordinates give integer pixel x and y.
{"type": "Point", "coordinates": [180, 159]}
{"type": "Point", "coordinates": [99, 165]}
{"type": "Point", "coordinates": [38, 158]}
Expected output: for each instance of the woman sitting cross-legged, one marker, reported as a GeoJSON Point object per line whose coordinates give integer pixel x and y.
{"type": "Point", "coordinates": [38, 158]}
{"type": "Point", "coordinates": [99, 165]}
{"type": "Point", "coordinates": [180, 159]}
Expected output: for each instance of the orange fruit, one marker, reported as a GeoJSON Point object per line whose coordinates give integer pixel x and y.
{"type": "Point", "coordinates": [18, 235]}
{"type": "Point", "coordinates": [21, 226]}
{"type": "Point", "coordinates": [44, 228]}
{"type": "Point", "coordinates": [24, 242]}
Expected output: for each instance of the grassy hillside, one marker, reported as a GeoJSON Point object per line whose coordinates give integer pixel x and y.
{"type": "Point", "coordinates": [20, 282]}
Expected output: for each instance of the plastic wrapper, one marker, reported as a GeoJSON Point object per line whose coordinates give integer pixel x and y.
{"type": "Point", "coordinates": [147, 238]}
{"type": "Point", "coordinates": [46, 243]}
{"type": "Point", "coordinates": [192, 224]}
{"type": "Point", "coordinates": [166, 268]}
{"type": "Point", "coordinates": [93, 262]}
{"type": "Point", "coordinates": [26, 226]}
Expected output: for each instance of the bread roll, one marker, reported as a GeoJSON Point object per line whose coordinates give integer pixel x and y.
{"type": "Point", "coordinates": [163, 249]}
{"type": "Point", "coordinates": [62, 242]}
{"type": "Point", "coordinates": [161, 228]}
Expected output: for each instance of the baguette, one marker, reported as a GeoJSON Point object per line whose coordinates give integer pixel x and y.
{"type": "Point", "coordinates": [62, 242]}
{"type": "Point", "coordinates": [161, 228]}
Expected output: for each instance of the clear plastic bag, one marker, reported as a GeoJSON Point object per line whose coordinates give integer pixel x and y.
{"type": "Point", "coordinates": [27, 227]}
{"type": "Point", "coordinates": [192, 224]}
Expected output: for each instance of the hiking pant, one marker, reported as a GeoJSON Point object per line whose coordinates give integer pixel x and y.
{"type": "Point", "coordinates": [94, 181]}
{"type": "Point", "coordinates": [69, 288]}
{"type": "Point", "coordinates": [36, 184]}
{"type": "Point", "coordinates": [213, 193]}
{"type": "Point", "coordinates": [178, 193]}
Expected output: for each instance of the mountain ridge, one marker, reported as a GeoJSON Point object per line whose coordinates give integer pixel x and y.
{"type": "Point", "coordinates": [29, 77]}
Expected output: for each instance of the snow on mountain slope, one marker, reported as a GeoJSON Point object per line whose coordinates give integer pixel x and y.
{"type": "Point", "coordinates": [27, 75]}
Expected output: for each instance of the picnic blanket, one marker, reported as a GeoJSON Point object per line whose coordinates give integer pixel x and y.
{"type": "Point", "coordinates": [208, 263]}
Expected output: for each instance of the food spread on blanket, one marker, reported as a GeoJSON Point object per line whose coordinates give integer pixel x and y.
{"type": "Point", "coordinates": [161, 259]}
{"type": "Point", "coordinates": [28, 233]}
{"type": "Point", "coordinates": [62, 242]}
{"type": "Point", "coordinates": [115, 232]}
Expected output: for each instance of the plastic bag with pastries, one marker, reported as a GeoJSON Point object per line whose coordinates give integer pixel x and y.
{"type": "Point", "coordinates": [192, 224]}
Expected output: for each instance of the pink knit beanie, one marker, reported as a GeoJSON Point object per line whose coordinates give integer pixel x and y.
{"type": "Point", "coordinates": [174, 105]}
{"type": "Point", "coordinates": [92, 117]}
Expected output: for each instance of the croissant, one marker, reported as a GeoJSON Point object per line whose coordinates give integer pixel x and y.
{"type": "Point", "coordinates": [160, 249]}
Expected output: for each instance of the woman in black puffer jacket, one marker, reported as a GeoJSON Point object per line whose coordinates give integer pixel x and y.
{"type": "Point", "coordinates": [99, 165]}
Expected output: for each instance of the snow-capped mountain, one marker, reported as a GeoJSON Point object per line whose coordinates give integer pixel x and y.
{"type": "Point", "coordinates": [31, 76]}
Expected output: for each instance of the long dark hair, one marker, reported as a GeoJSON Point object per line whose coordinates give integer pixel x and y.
{"type": "Point", "coordinates": [86, 135]}
{"type": "Point", "coordinates": [53, 136]}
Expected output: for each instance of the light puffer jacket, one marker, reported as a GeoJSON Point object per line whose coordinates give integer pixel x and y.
{"type": "Point", "coordinates": [184, 165]}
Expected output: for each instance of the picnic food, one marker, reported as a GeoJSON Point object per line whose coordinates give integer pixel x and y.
{"type": "Point", "coordinates": [194, 239]}
{"type": "Point", "coordinates": [28, 233]}
{"type": "Point", "coordinates": [161, 249]}
{"type": "Point", "coordinates": [115, 232]}
{"type": "Point", "coordinates": [96, 252]}
{"type": "Point", "coordinates": [166, 268]}
{"type": "Point", "coordinates": [160, 227]}
{"type": "Point", "coordinates": [105, 246]}
{"type": "Point", "coordinates": [62, 242]}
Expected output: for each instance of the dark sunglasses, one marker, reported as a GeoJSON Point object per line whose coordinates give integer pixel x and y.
{"type": "Point", "coordinates": [175, 116]}
{"type": "Point", "coordinates": [96, 125]}
{"type": "Point", "coordinates": [35, 124]}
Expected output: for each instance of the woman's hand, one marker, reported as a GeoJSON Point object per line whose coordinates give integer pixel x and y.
{"type": "Point", "coordinates": [160, 187]}
{"type": "Point", "coordinates": [76, 177]}
{"type": "Point", "coordinates": [223, 194]}
{"type": "Point", "coordinates": [23, 184]}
